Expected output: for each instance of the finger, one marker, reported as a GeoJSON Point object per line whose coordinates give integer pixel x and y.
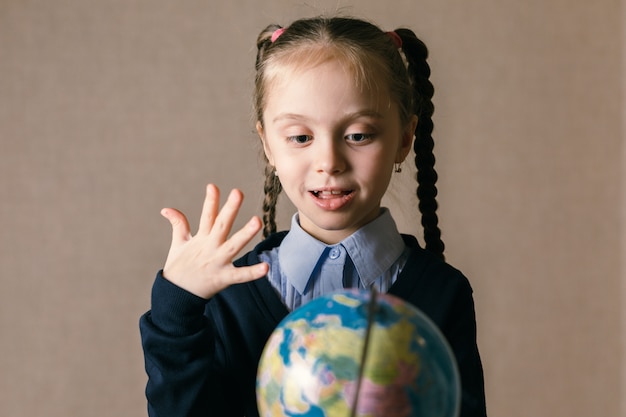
{"type": "Point", "coordinates": [242, 274]}
{"type": "Point", "coordinates": [209, 209]}
{"type": "Point", "coordinates": [226, 217]}
{"type": "Point", "coordinates": [237, 275]}
{"type": "Point", "coordinates": [180, 225]}
{"type": "Point", "coordinates": [241, 238]}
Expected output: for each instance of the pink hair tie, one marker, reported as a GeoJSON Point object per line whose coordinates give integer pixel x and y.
{"type": "Point", "coordinates": [277, 34]}
{"type": "Point", "coordinates": [395, 38]}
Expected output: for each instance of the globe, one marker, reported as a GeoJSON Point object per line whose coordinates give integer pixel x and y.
{"type": "Point", "coordinates": [357, 353]}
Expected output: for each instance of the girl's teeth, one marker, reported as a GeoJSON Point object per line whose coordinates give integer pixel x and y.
{"type": "Point", "coordinates": [330, 193]}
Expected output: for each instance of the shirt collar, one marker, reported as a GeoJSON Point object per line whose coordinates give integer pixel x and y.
{"type": "Point", "coordinates": [373, 249]}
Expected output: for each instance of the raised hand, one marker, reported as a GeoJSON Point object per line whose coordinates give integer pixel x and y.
{"type": "Point", "coordinates": [202, 264]}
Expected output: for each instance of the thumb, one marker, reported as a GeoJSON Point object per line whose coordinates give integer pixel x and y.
{"type": "Point", "coordinates": [180, 226]}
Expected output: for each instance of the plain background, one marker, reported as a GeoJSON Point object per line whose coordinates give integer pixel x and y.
{"type": "Point", "coordinates": [111, 110]}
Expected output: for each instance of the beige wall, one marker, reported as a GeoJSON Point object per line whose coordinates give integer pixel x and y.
{"type": "Point", "coordinates": [110, 110]}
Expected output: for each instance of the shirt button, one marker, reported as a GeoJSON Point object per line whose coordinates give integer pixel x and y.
{"type": "Point", "coordinates": [334, 253]}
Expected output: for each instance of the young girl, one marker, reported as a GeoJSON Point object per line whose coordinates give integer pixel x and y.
{"type": "Point", "coordinates": [339, 103]}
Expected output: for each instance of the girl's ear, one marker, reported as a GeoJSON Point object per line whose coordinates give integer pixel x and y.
{"type": "Point", "coordinates": [266, 148]}
{"type": "Point", "coordinates": [407, 139]}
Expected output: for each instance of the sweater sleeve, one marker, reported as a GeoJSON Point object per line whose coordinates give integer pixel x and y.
{"type": "Point", "coordinates": [180, 354]}
{"type": "Point", "coordinates": [460, 329]}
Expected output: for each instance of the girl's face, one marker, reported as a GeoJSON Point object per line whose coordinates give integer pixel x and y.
{"type": "Point", "coordinates": [333, 146]}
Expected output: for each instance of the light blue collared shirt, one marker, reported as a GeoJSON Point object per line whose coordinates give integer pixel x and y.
{"type": "Point", "coordinates": [303, 268]}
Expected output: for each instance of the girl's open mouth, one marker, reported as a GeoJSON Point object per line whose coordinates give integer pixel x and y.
{"type": "Point", "coordinates": [332, 199]}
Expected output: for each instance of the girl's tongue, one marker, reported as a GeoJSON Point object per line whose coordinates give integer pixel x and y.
{"type": "Point", "coordinates": [332, 199]}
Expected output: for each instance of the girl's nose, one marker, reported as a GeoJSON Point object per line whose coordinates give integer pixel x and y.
{"type": "Point", "coordinates": [329, 157]}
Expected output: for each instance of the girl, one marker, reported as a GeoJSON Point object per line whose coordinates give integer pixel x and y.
{"type": "Point", "coordinates": [339, 103]}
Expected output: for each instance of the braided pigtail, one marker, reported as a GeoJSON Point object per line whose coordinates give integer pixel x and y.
{"type": "Point", "coordinates": [272, 187]}
{"type": "Point", "coordinates": [416, 54]}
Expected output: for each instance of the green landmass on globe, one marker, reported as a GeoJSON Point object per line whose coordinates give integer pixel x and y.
{"type": "Point", "coordinates": [357, 354]}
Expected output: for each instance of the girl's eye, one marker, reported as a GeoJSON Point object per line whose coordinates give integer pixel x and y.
{"type": "Point", "coordinates": [359, 137]}
{"type": "Point", "coordinates": [300, 139]}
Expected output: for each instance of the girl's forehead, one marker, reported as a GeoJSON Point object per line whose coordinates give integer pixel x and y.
{"type": "Point", "coordinates": [314, 73]}
{"type": "Point", "coordinates": [324, 92]}
{"type": "Point", "coordinates": [368, 79]}
{"type": "Point", "coordinates": [315, 79]}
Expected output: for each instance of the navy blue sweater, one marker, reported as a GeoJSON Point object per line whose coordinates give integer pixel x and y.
{"type": "Point", "coordinates": [201, 357]}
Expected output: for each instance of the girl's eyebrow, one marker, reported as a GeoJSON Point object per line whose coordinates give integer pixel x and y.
{"type": "Point", "coordinates": [351, 116]}
{"type": "Point", "coordinates": [289, 116]}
